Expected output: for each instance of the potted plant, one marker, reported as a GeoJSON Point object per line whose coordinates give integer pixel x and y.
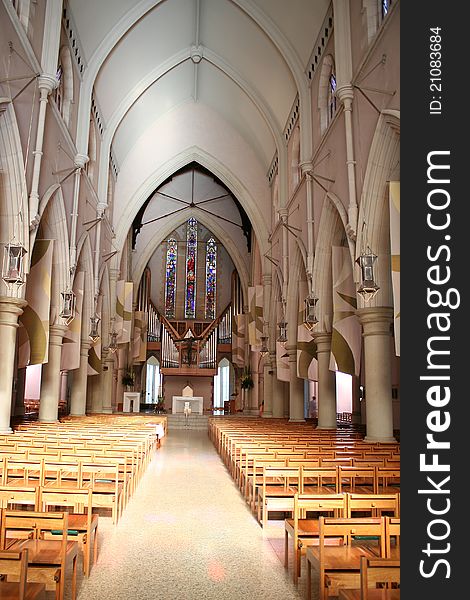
{"type": "Point", "coordinates": [128, 380]}
{"type": "Point", "coordinates": [246, 381]}
{"type": "Point", "coordinates": [160, 405]}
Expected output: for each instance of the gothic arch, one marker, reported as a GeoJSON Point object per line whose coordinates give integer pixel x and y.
{"type": "Point", "coordinates": [374, 220]}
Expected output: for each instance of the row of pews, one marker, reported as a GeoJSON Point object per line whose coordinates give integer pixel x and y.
{"type": "Point", "coordinates": [339, 497]}
{"type": "Point", "coordinates": [56, 481]}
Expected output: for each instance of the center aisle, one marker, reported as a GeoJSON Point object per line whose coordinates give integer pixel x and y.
{"type": "Point", "coordinates": [186, 534]}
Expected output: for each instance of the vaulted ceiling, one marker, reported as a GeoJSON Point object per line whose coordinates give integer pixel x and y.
{"type": "Point", "coordinates": [177, 81]}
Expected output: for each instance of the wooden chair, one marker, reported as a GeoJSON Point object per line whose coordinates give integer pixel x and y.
{"type": "Point", "coordinates": [280, 484]}
{"type": "Point", "coordinates": [104, 481]}
{"type": "Point", "coordinates": [19, 496]}
{"type": "Point", "coordinates": [48, 560]}
{"type": "Point", "coordinates": [82, 521]}
{"type": "Point", "coordinates": [392, 537]}
{"type": "Point", "coordinates": [15, 585]}
{"type": "Point", "coordinates": [373, 504]}
{"type": "Point", "coordinates": [255, 480]}
{"type": "Point", "coordinates": [320, 480]}
{"type": "Point", "coordinates": [304, 530]}
{"type": "Point", "coordinates": [339, 565]}
{"type": "Point", "coordinates": [357, 479]}
{"type": "Point", "coordinates": [388, 479]}
{"type": "Point", "coordinates": [375, 572]}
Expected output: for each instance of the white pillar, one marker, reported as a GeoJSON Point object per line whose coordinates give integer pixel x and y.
{"type": "Point", "coordinates": [50, 377]}
{"type": "Point", "coordinates": [376, 323]}
{"type": "Point", "coordinates": [278, 390]}
{"type": "Point", "coordinates": [10, 310]}
{"type": "Point", "coordinates": [107, 381]}
{"type": "Point", "coordinates": [46, 85]}
{"type": "Point", "coordinates": [79, 382]}
{"type": "Point", "coordinates": [269, 384]}
{"type": "Point", "coordinates": [326, 383]}
{"type": "Point", "coordinates": [296, 388]}
{"type": "Point", "coordinates": [345, 94]}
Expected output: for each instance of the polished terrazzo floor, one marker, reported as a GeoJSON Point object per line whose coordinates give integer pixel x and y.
{"type": "Point", "coordinates": [187, 534]}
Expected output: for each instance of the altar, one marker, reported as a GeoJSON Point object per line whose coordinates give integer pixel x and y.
{"type": "Point", "coordinates": [131, 399]}
{"type": "Point", "coordinates": [196, 403]}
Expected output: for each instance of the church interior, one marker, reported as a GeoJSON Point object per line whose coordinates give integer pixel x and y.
{"type": "Point", "coordinates": [200, 299]}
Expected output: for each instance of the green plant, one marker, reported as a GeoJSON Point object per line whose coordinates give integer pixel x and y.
{"type": "Point", "coordinates": [246, 381]}
{"type": "Point", "coordinates": [128, 378]}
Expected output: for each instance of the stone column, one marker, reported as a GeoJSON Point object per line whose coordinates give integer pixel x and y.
{"type": "Point", "coordinates": [95, 395]}
{"type": "Point", "coordinates": [46, 85]}
{"type": "Point", "coordinates": [50, 377]}
{"type": "Point", "coordinates": [107, 381]}
{"type": "Point", "coordinates": [79, 382]}
{"type": "Point", "coordinates": [356, 403]}
{"type": "Point", "coordinates": [10, 310]}
{"type": "Point", "coordinates": [122, 361]}
{"type": "Point", "coordinates": [326, 383]}
{"type": "Point", "coordinates": [268, 387]}
{"type": "Point", "coordinates": [376, 323]}
{"type": "Point", "coordinates": [296, 388]}
{"type": "Point", "coordinates": [278, 390]}
{"type": "Point", "coordinates": [20, 387]}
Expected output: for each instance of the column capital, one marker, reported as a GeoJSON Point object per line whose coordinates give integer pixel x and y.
{"type": "Point", "coordinates": [80, 160]}
{"type": "Point", "coordinates": [345, 92]}
{"type": "Point", "coordinates": [322, 340]}
{"type": "Point", "coordinates": [306, 167]}
{"type": "Point", "coordinates": [283, 213]}
{"type": "Point", "coordinates": [47, 82]}
{"type": "Point", "coordinates": [10, 310]}
{"type": "Point", "coordinates": [56, 334]}
{"type": "Point", "coordinates": [267, 279]}
{"type": "Point", "coordinates": [375, 320]}
{"type": "Point", "coordinates": [291, 350]}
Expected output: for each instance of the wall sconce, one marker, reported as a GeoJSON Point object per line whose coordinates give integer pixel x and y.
{"type": "Point", "coordinates": [13, 263]}
{"type": "Point", "coordinates": [94, 335]}
{"type": "Point", "coordinates": [264, 346]}
{"type": "Point", "coordinates": [68, 306]}
{"type": "Point", "coordinates": [368, 288]}
{"type": "Point", "coordinates": [282, 331]}
{"type": "Point", "coordinates": [113, 343]}
{"type": "Point", "coordinates": [310, 312]}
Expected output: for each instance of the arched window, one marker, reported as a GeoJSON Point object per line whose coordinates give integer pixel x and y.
{"type": "Point", "coordinates": [170, 278]}
{"type": "Point", "coordinates": [331, 97]}
{"type": "Point", "coordinates": [385, 7]}
{"type": "Point", "coordinates": [191, 265]}
{"type": "Point", "coordinates": [153, 381]}
{"type": "Point", "coordinates": [327, 93]}
{"type": "Point", "coordinates": [211, 278]}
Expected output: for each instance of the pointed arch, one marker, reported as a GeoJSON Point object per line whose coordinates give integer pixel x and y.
{"type": "Point", "coordinates": [14, 212]}
{"type": "Point", "coordinates": [382, 166]}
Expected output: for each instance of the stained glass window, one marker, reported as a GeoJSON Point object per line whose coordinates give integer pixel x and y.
{"type": "Point", "coordinates": [385, 7]}
{"type": "Point", "coordinates": [170, 280]}
{"type": "Point", "coordinates": [211, 278]}
{"type": "Point", "coordinates": [191, 262]}
{"type": "Point", "coordinates": [331, 97]}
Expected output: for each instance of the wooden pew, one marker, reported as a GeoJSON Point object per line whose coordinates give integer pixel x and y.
{"type": "Point", "coordinates": [375, 572]}
{"type": "Point", "coordinates": [304, 530]}
{"type": "Point", "coordinates": [339, 566]}
{"type": "Point", "coordinates": [15, 585]}
{"type": "Point", "coordinates": [48, 560]}
{"type": "Point", "coordinates": [82, 521]}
